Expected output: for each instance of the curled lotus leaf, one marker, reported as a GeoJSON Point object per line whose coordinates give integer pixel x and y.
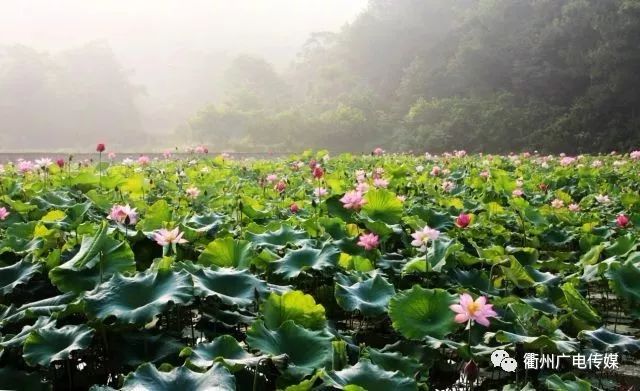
{"type": "Point", "coordinates": [13, 275]}
{"type": "Point", "coordinates": [306, 349]}
{"type": "Point", "coordinates": [604, 340]}
{"type": "Point", "coordinates": [231, 286]}
{"type": "Point", "coordinates": [138, 299]}
{"type": "Point", "coordinates": [224, 349]}
{"type": "Point", "coordinates": [296, 306]}
{"type": "Point", "coordinates": [44, 346]}
{"type": "Point", "coordinates": [370, 377]}
{"type": "Point", "coordinates": [16, 340]}
{"type": "Point", "coordinates": [279, 238]}
{"type": "Point", "coordinates": [305, 258]}
{"type": "Point", "coordinates": [148, 377]}
{"type": "Point", "coordinates": [370, 296]}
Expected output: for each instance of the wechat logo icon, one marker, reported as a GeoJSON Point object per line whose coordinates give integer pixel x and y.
{"type": "Point", "coordinates": [500, 358]}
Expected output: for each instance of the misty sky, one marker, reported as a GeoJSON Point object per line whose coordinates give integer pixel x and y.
{"type": "Point", "coordinates": [168, 47]}
{"type": "Point", "coordinates": [140, 30]}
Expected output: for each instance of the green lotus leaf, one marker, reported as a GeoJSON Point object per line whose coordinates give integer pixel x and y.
{"type": "Point", "coordinates": [393, 361]}
{"type": "Point", "coordinates": [383, 205]}
{"type": "Point", "coordinates": [13, 379]}
{"type": "Point", "coordinates": [253, 208]}
{"type": "Point", "coordinates": [136, 348]}
{"type": "Point", "coordinates": [203, 223]}
{"type": "Point", "coordinates": [148, 377]}
{"type": "Point", "coordinates": [556, 342]}
{"type": "Point", "coordinates": [99, 257]}
{"type": "Point", "coordinates": [13, 275]}
{"type": "Point", "coordinates": [296, 306]}
{"type": "Point", "coordinates": [44, 346]}
{"type": "Point", "coordinates": [225, 349]}
{"type": "Point", "coordinates": [155, 217]}
{"type": "Point", "coordinates": [231, 286]}
{"type": "Point", "coordinates": [555, 382]}
{"type": "Point", "coordinates": [138, 299]}
{"type": "Point", "coordinates": [418, 313]}
{"type": "Point", "coordinates": [19, 239]}
{"type": "Point", "coordinates": [370, 296]}
{"type": "Point", "coordinates": [517, 274]}
{"type": "Point", "coordinates": [227, 252]}
{"type": "Point", "coordinates": [17, 340]}
{"type": "Point", "coordinates": [297, 261]}
{"type": "Point", "coordinates": [280, 238]}
{"type": "Point", "coordinates": [370, 377]}
{"type": "Point", "coordinates": [441, 221]}
{"type": "Point", "coordinates": [623, 279]}
{"type": "Point", "coordinates": [45, 307]}
{"type": "Point", "coordinates": [622, 246]}
{"type": "Point", "coordinates": [579, 304]}
{"type": "Point", "coordinates": [306, 349]}
{"type": "Point", "coordinates": [604, 340]}
{"type": "Point", "coordinates": [437, 256]}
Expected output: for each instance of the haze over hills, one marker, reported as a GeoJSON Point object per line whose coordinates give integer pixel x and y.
{"type": "Point", "coordinates": [286, 75]}
{"type": "Point", "coordinates": [172, 53]}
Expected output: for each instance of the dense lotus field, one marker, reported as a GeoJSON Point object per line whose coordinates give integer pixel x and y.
{"type": "Point", "coordinates": [381, 272]}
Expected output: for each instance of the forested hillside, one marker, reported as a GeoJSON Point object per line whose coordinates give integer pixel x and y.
{"type": "Point", "coordinates": [489, 75]}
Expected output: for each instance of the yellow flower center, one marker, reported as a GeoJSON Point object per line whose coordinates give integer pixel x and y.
{"type": "Point", "coordinates": [473, 307]}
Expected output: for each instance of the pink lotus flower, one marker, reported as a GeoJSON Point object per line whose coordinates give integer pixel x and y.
{"type": "Point", "coordinates": [353, 200]}
{"type": "Point", "coordinates": [280, 186]}
{"type": "Point", "coordinates": [164, 237]}
{"type": "Point", "coordinates": [362, 187]}
{"type": "Point", "coordinates": [60, 163]}
{"type": "Point", "coordinates": [574, 207]}
{"type": "Point", "coordinates": [596, 163]}
{"type": "Point", "coordinates": [320, 192]}
{"type": "Point", "coordinates": [43, 163]}
{"type": "Point", "coordinates": [401, 198]}
{"type": "Point", "coordinates": [123, 214]}
{"type": "Point", "coordinates": [565, 161]}
{"type": "Point", "coordinates": [462, 153]}
{"type": "Point", "coordinates": [557, 203]}
{"type": "Point", "coordinates": [435, 171]}
{"type": "Point", "coordinates": [622, 220]}
{"type": "Point", "coordinates": [318, 172]}
{"type": "Point", "coordinates": [111, 155]}
{"type": "Point", "coordinates": [484, 174]}
{"type": "Point", "coordinates": [381, 183]}
{"type": "Point", "coordinates": [421, 238]}
{"type": "Point", "coordinates": [294, 208]}
{"type": "Point", "coordinates": [635, 155]}
{"type": "Point", "coordinates": [468, 310]}
{"type": "Point", "coordinates": [201, 149]}
{"type": "Point", "coordinates": [193, 192]}
{"type": "Point", "coordinates": [377, 173]}
{"type": "Point", "coordinates": [463, 220]}
{"type": "Point", "coordinates": [143, 160]}
{"type": "Point", "coordinates": [361, 176]}
{"type": "Point", "coordinates": [100, 148]}
{"type": "Point", "coordinates": [517, 193]}
{"type": "Point", "coordinates": [167, 154]}
{"type": "Point", "coordinates": [369, 241]}
{"type": "Point", "coordinates": [448, 186]}
{"type": "Point", "coordinates": [4, 213]}
{"type": "Point", "coordinates": [378, 151]}
{"type": "Point", "coordinates": [25, 166]}
{"type": "Point", "coordinates": [603, 199]}
{"type": "Point", "coordinates": [272, 178]}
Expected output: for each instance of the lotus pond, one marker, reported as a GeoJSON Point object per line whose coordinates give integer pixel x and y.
{"type": "Point", "coordinates": [310, 272]}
